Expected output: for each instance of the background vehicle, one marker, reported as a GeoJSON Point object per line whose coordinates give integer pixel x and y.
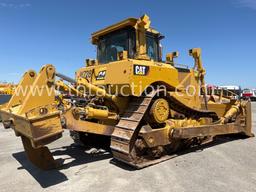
{"type": "Point", "coordinates": [225, 92]}
{"type": "Point", "coordinates": [6, 91]}
{"type": "Point", "coordinates": [249, 94]}
{"type": "Point", "coordinates": [232, 91]}
{"type": "Point", "coordinates": [142, 109]}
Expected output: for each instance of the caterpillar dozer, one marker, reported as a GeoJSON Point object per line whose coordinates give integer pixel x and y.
{"type": "Point", "coordinates": [6, 90]}
{"type": "Point", "coordinates": [128, 100]}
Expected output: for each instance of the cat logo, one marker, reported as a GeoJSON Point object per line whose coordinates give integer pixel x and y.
{"type": "Point", "coordinates": [140, 70]}
{"type": "Point", "coordinates": [101, 75]}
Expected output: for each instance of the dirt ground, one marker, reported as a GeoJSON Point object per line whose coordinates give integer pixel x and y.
{"type": "Point", "coordinates": [228, 164]}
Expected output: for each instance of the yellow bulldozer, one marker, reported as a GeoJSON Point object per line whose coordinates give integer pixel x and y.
{"type": "Point", "coordinates": [6, 90]}
{"type": "Point", "coordinates": [128, 100]}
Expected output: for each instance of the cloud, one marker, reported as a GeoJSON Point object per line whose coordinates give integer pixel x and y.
{"type": "Point", "coordinates": [14, 5]}
{"type": "Point", "coordinates": [247, 3]}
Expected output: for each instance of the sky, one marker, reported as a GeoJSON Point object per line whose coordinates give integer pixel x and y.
{"type": "Point", "coordinates": [37, 32]}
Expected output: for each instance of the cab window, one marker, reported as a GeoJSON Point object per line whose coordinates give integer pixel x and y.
{"type": "Point", "coordinates": [110, 45]}
{"type": "Point", "coordinates": [152, 47]}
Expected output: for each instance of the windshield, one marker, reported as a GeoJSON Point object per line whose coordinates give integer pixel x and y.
{"type": "Point", "coordinates": [109, 46]}
{"type": "Point", "coordinates": [247, 91]}
{"type": "Point", "coordinates": [124, 40]}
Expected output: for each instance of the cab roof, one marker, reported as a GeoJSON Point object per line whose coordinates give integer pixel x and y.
{"type": "Point", "coordinates": [120, 25]}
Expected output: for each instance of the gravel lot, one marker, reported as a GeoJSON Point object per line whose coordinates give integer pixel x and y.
{"type": "Point", "coordinates": [229, 164]}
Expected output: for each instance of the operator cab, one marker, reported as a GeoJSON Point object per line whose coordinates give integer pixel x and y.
{"type": "Point", "coordinates": [125, 36]}
{"type": "Point", "coordinates": [111, 44]}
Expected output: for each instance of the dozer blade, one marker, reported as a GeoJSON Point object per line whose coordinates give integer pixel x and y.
{"type": "Point", "coordinates": [248, 119]}
{"type": "Point", "coordinates": [41, 157]}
